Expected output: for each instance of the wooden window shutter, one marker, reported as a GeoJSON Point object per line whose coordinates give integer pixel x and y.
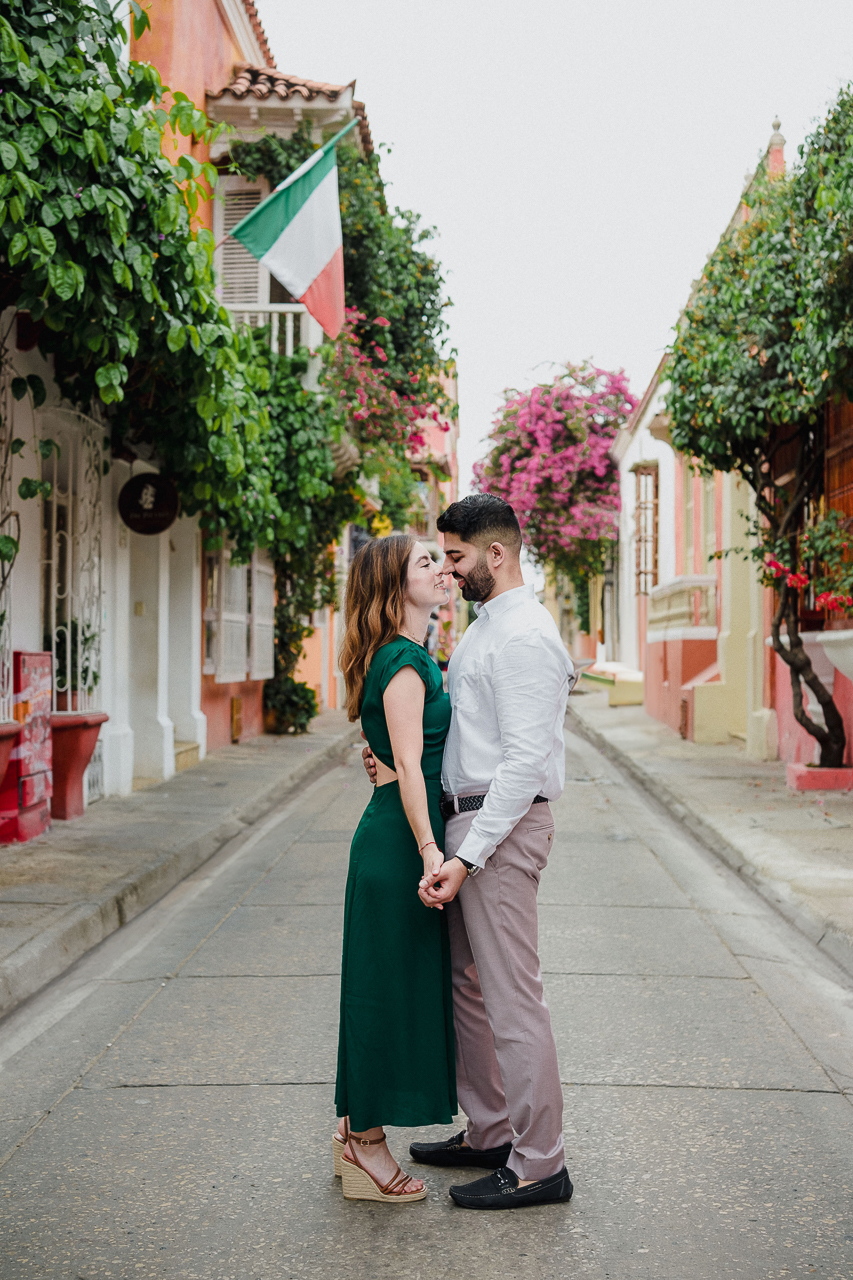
{"type": "Point", "coordinates": [839, 457]}
{"type": "Point", "coordinates": [241, 273]}
{"type": "Point", "coordinates": [262, 635]}
{"type": "Point", "coordinates": [232, 657]}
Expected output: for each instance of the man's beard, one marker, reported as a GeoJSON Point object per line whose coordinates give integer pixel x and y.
{"type": "Point", "coordinates": [479, 583]}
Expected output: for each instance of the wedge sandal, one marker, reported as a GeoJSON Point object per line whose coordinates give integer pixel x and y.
{"type": "Point", "coordinates": [358, 1184]}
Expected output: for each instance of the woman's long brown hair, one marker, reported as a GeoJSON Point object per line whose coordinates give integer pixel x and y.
{"type": "Point", "coordinates": [375, 604]}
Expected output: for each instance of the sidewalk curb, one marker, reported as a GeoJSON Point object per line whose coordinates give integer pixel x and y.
{"type": "Point", "coordinates": [85, 924]}
{"type": "Point", "coordinates": [778, 893]}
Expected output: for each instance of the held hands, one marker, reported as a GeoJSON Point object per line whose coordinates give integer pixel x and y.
{"type": "Point", "coordinates": [435, 892]}
{"type": "Point", "coordinates": [433, 861]}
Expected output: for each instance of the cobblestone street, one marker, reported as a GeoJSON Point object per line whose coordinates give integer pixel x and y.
{"type": "Point", "coordinates": [167, 1103]}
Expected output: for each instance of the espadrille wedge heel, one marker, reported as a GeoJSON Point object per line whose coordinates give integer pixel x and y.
{"type": "Point", "coordinates": [358, 1184]}
{"type": "Point", "coordinates": [338, 1144]}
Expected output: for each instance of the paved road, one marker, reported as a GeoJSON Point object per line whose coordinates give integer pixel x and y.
{"type": "Point", "coordinates": [165, 1108]}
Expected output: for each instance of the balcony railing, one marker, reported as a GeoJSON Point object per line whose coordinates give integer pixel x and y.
{"type": "Point", "coordinates": [284, 337]}
{"type": "Point", "coordinates": [686, 604]}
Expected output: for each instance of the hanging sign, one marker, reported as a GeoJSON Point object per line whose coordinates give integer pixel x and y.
{"type": "Point", "coordinates": [148, 503]}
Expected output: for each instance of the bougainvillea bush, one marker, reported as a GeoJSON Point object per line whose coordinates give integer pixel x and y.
{"type": "Point", "coordinates": [550, 458]}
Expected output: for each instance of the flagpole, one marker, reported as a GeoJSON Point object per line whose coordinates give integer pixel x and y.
{"type": "Point", "coordinates": [325, 149]}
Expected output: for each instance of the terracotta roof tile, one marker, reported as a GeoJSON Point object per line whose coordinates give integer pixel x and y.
{"type": "Point", "coordinates": [260, 34]}
{"type": "Point", "coordinates": [267, 82]}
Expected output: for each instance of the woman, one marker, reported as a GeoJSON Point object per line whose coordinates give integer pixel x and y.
{"type": "Point", "coordinates": [395, 1049]}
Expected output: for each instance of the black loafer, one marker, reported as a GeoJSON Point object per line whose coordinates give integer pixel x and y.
{"type": "Point", "coordinates": [451, 1152]}
{"type": "Point", "coordinates": [501, 1191]}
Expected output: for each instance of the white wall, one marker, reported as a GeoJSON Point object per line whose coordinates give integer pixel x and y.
{"type": "Point", "coordinates": [185, 627]}
{"type": "Point", "coordinates": [153, 731]}
{"type": "Point", "coordinates": [116, 734]}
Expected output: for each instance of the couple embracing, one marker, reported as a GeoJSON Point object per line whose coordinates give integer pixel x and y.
{"type": "Point", "coordinates": [441, 988]}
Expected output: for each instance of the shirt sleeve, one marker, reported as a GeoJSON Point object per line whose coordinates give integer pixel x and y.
{"type": "Point", "coordinates": [530, 684]}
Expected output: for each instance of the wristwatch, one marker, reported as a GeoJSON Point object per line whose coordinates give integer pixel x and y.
{"type": "Point", "coordinates": [470, 867]}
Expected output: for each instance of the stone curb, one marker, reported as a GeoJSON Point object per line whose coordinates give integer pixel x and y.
{"type": "Point", "coordinates": [85, 924]}
{"type": "Point", "coordinates": [778, 893]}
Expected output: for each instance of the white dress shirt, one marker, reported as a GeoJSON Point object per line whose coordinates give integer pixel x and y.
{"type": "Point", "coordinates": [508, 679]}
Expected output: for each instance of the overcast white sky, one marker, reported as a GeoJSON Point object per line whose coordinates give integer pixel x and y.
{"type": "Point", "coordinates": [579, 160]}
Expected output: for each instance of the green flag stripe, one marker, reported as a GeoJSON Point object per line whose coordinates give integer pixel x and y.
{"type": "Point", "coordinates": [260, 229]}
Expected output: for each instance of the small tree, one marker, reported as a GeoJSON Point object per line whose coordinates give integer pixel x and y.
{"type": "Point", "coordinates": [765, 341]}
{"type": "Point", "coordinates": [550, 459]}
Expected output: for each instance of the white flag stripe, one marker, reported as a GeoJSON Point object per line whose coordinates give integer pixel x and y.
{"type": "Point", "coordinates": [306, 165]}
{"type": "Point", "coordinates": [308, 242]}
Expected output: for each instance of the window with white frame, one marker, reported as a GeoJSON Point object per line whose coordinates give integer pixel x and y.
{"type": "Point", "coordinates": [646, 528]}
{"type": "Point", "coordinates": [239, 618]}
{"type": "Point", "coordinates": [242, 279]}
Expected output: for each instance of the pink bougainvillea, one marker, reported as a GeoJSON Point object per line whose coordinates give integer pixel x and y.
{"type": "Point", "coordinates": [369, 408]}
{"type": "Point", "coordinates": [550, 459]}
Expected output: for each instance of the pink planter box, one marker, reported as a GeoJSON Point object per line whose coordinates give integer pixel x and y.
{"type": "Point", "coordinates": [803, 777]}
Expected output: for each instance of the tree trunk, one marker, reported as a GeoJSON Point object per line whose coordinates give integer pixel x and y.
{"type": "Point", "coordinates": [832, 738]}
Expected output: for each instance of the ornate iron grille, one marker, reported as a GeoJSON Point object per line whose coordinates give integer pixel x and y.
{"type": "Point", "coordinates": [71, 557]}
{"type": "Point", "coordinates": [9, 524]}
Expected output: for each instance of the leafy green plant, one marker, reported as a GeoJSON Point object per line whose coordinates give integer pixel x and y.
{"type": "Point", "coordinates": [96, 240]}
{"type": "Point", "coordinates": [293, 704]}
{"type": "Point", "coordinates": [765, 341]}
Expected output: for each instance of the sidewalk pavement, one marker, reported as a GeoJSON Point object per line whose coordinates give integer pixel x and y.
{"type": "Point", "coordinates": [64, 892]}
{"type": "Point", "coordinates": [795, 848]}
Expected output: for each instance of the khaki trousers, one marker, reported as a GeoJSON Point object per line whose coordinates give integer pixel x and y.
{"type": "Point", "coordinates": [507, 1076]}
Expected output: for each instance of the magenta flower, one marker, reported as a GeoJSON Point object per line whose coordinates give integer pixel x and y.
{"type": "Point", "coordinates": [551, 460]}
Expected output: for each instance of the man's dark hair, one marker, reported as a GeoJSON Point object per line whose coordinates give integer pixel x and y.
{"type": "Point", "coordinates": [482, 518]}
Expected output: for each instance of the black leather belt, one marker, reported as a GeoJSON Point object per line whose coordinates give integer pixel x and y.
{"type": "Point", "coordinates": [450, 805]}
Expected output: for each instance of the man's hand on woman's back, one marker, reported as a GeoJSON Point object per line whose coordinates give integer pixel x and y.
{"type": "Point", "coordinates": [368, 761]}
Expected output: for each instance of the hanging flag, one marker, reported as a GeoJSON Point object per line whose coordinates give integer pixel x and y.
{"type": "Point", "coordinates": [296, 234]}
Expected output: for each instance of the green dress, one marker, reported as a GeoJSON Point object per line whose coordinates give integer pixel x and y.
{"type": "Point", "coordinates": [395, 1046]}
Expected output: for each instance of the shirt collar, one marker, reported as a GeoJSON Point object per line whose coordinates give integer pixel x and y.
{"type": "Point", "coordinates": [505, 601]}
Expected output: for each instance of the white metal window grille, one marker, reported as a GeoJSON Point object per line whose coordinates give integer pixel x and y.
{"type": "Point", "coordinates": [71, 557]}
{"type": "Point", "coordinates": [241, 273]}
{"type": "Point", "coordinates": [646, 533]}
{"type": "Point", "coordinates": [262, 619]}
{"type": "Point", "coordinates": [9, 524]}
{"type": "Point", "coordinates": [231, 655]}
{"type": "Point", "coordinates": [211, 612]}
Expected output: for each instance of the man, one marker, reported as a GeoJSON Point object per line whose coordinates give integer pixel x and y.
{"type": "Point", "coordinates": [508, 679]}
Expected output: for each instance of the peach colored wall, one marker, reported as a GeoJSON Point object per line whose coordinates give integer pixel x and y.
{"type": "Point", "coordinates": [310, 667]}
{"type": "Point", "coordinates": [669, 665]}
{"type": "Point", "coordinates": [795, 745]}
{"type": "Point", "coordinates": [216, 705]}
{"type": "Point", "coordinates": [193, 51]}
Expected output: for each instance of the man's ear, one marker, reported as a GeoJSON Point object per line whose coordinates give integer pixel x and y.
{"type": "Point", "coordinates": [497, 553]}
